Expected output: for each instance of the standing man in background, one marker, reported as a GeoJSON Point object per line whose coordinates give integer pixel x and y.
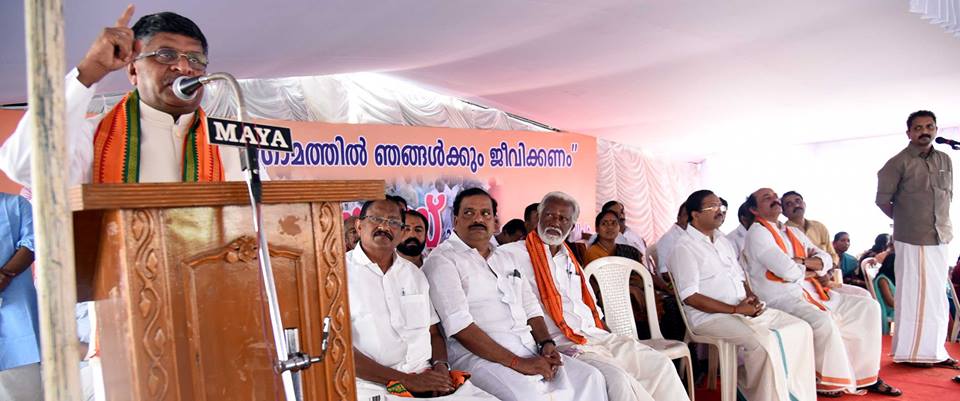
{"type": "Point", "coordinates": [915, 188]}
{"type": "Point", "coordinates": [19, 320]}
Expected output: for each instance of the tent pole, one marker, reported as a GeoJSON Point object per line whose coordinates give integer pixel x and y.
{"type": "Point", "coordinates": [53, 221]}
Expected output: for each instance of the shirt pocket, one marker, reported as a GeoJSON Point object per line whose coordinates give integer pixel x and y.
{"type": "Point", "coordinates": [943, 179]}
{"type": "Point", "coordinates": [416, 311]}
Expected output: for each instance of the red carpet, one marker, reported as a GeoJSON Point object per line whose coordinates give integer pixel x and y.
{"type": "Point", "coordinates": [917, 384]}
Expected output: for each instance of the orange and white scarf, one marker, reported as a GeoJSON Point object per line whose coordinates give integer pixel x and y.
{"type": "Point", "coordinates": [116, 147]}
{"type": "Point", "coordinates": [548, 290]}
{"type": "Point", "coordinates": [798, 252]}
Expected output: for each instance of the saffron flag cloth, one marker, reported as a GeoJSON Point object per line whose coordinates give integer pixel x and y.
{"type": "Point", "coordinates": [116, 147]}
{"type": "Point", "coordinates": [548, 291]}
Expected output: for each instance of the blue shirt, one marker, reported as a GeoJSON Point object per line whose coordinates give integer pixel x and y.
{"type": "Point", "coordinates": [19, 322]}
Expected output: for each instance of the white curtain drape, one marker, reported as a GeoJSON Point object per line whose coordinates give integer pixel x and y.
{"type": "Point", "coordinates": [945, 13]}
{"type": "Point", "coordinates": [360, 98]}
{"type": "Point", "coordinates": [651, 189]}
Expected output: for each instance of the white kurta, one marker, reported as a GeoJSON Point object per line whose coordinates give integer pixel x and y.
{"type": "Point", "coordinates": [922, 313]}
{"type": "Point", "coordinates": [491, 293]}
{"type": "Point", "coordinates": [846, 336]}
{"type": "Point", "coordinates": [390, 319]}
{"type": "Point", "coordinates": [777, 348]}
{"type": "Point", "coordinates": [737, 238]}
{"type": "Point", "coordinates": [633, 370]}
{"type": "Point", "coordinates": [161, 148]}
{"type": "Point", "coordinates": [665, 247]}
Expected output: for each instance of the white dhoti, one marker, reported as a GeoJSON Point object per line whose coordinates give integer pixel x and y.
{"type": "Point", "coordinates": [777, 351]}
{"type": "Point", "coordinates": [633, 371]}
{"type": "Point", "coordinates": [574, 381]}
{"type": "Point", "coordinates": [846, 339]}
{"type": "Point", "coordinates": [922, 313]}
{"type": "Point", "coordinates": [369, 391]}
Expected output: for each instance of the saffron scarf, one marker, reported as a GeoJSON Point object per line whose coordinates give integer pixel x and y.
{"type": "Point", "coordinates": [799, 252]}
{"type": "Point", "coordinates": [548, 291]}
{"type": "Point", "coordinates": [116, 147]}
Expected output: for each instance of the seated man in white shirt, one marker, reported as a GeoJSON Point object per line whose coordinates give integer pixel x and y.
{"type": "Point", "coordinates": [739, 235]}
{"type": "Point", "coordinates": [397, 346]}
{"type": "Point", "coordinates": [777, 348]}
{"type": "Point", "coordinates": [633, 371]}
{"type": "Point", "coordinates": [789, 273]}
{"type": "Point", "coordinates": [669, 239]}
{"type": "Point", "coordinates": [493, 321]}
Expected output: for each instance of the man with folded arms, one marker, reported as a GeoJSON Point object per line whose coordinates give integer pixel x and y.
{"type": "Point", "coordinates": [777, 348]}
{"type": "Point", "coordinates": [397, 346]}
{"type": "Point", "coordinates": [633, 371]}
{"type": "Point", "coordinates": [789, 273]}
{"type": "Point", "coordinates": [492, 319]}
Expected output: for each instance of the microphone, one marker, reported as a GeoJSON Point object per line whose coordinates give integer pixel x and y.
{"type": "Point", "coordinates": [949, 142]}
{"type": "Point", "coordinates": [186, 88]}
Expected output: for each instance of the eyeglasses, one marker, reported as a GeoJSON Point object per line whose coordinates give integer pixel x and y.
{"type": "Point", "coordinates": [486, 214]}
{"type": "Point", "coordinates": [167, 56]}
{"type": "Point", "coordinates": [721, 208]}
{"type": "Point", "coordinates": [393, 223]}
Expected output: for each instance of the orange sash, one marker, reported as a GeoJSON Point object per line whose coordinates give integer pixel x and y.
{"type": "Point", "coordinates": [116, 147]}
{"type": "Point", "coordinates": [799, 252]}
{"type": "Point", "coordinates": [548, 291]}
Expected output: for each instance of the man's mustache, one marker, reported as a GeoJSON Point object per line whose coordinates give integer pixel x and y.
{"type": "Point", "coordinates": [478, 225]}
{"type": "Point", "coordinates": [926, 136]}
{"type": "Point", "coordinates": [412, 242]}
{"type": "Point", "coordinates": [384, 233]}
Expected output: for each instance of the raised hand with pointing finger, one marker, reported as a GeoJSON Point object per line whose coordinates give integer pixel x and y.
{"type": "Point", "coordinates": [112, 50]}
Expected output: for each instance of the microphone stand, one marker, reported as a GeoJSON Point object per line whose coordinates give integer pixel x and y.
{"type": "Point", "coordinates": [286, 363]}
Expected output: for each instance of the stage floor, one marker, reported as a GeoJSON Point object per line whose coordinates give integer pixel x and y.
{"type": "Point", "coordinates": [917, 384]}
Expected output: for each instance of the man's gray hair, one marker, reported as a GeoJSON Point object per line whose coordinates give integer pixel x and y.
{"type": "Point", "coordinates": [562, 197]}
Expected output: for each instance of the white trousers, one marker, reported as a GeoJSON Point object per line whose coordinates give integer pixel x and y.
{"type": "Point", "coordinates": [846, 338]}
{"type": "Point", "coordinates": [368, 391]}
{"type": "Point", "coordinates": [21, 383]}
{"type": "Point", "coordinates": [777, 351]}
{"type": "Point", "coordinates": [922, 313]}
{"type": "Point", "coordinates": [633, 371]}
{"type": "Point", "coordinates": [574, 381]}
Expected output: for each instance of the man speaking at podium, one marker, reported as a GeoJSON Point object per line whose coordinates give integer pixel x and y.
{"type": "Point", "coordinates": [150, 135]}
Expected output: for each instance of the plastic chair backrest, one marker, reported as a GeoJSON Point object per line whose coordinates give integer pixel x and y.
{"type": "Point", "coordinates": [613, 275]}
{"type": "Point", "coordinates": [870, 268]}
{"type": "Point", "coordinates": [683, 313]}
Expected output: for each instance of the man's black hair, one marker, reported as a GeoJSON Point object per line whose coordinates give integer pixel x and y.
{"type": "Point", "coordinates": [609, 205]}
{"type": "Point", "coordinates": [920, 113]}
{"type": "Point", "coordinates": [788, 193]}
{"type": "Point", "coordinates": [531, 208]}
{"type": "Point", "coordinates": [411, 212]}
{"type": "Point", "coordinates": [694, 202]}
{"type": "Point", "coordinates": [472, 192]}
{"type": "Point", "coordinates": [167, 22]}
{"type": "Point", "coordinates": [367, 204]}
{"type": "Point", "coordinates": [514, 226]}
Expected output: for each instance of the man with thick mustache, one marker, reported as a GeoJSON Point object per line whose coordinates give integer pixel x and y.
{"type": "Point", "coordinates": [794, 209]}
{"type": "Point", "coordinates": [777, 348]}
{"type": "Point", "coordinates": [789, 273]}
{"type": "Point", "coordinates": [633, 370]}
{"type": "Point", "coordinates": [493, 322]}
{"type": "Point", "coordinates": [413, 237]}
{"type": "Point", "coordinates": [397, 345]}
{"type": "Point", "coordinates": [915, 188]}
{"type": "Point", "coordinates": [150, 135]}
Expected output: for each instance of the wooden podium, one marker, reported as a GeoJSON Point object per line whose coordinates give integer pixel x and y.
{"type": "Point", "coordinates": [180, 312]}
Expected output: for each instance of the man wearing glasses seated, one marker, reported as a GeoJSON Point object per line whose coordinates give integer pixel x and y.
{"type": "Point", "coordinates": [150, 135]}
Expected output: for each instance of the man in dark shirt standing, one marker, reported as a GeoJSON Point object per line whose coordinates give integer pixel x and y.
{"type": "Point", "coordinates": [915, 188]}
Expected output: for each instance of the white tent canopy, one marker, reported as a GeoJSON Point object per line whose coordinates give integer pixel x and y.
{"type": "Point", "coordinates": [679, 78]}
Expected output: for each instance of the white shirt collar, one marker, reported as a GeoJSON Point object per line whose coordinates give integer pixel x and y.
{"type": "Point", "coordinates": [458, 245]}
{"type": "Point", "coordinates": [359, 256]}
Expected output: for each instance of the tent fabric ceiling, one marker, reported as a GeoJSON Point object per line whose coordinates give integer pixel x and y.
{"type": "Point", "coordinates": [679, 78]}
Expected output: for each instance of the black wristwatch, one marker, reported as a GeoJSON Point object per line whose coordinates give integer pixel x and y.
{"type": "Point", "coordinates": [542, 343]}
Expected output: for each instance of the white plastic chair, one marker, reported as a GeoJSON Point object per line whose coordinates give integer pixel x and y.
{"type": "Point", "coordinates": [613, 275]}
{"type": "Point", "coordinates": [870, 267]}
{"type": "Point", "coordinates": [726, 356]}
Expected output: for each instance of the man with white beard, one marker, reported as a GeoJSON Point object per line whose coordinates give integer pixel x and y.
{"type": "Point", "coordinates": [633, 370]}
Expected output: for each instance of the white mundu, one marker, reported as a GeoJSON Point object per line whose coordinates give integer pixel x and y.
{"type": "Point", "coordinates": [846, 328]}
{"type": "Point", "coordinates": [777, 348]}
{"type": "Point", "coordinates": [922, 313]}
{"type": "Point", "coordinates": [468, 289]}
{"type": "Point", "coordinates": [633, 370]}
{"type": "Point", "coordinates": [161, 148]}
{"type": "Point", "coordinates": [390, 319]}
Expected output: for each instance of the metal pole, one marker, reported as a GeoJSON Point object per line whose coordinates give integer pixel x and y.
{"type": "Point", "coordinates": [53, 224]}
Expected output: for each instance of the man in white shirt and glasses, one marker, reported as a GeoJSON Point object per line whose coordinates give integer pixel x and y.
{"type": "Point", "coordinates": [777, 348]}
